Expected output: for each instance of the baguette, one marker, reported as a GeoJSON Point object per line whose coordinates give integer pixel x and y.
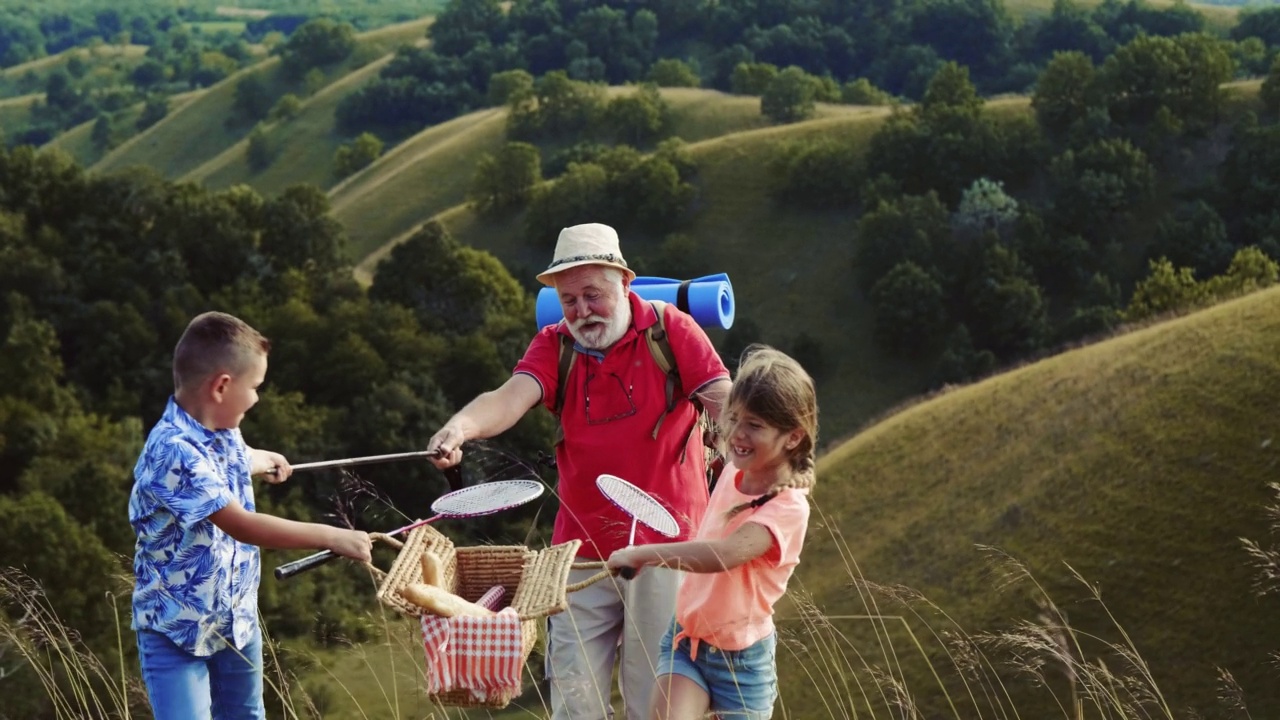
{"type": "Point", "coordinates": [432, 570]}
{"type": "Point", "coordinates": [442, 602]}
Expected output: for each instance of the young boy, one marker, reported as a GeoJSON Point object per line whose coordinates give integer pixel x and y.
{"type": "Point", "coordinates": [195, 598]}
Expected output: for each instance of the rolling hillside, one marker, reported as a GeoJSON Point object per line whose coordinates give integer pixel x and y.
{"type": "Point", "coordinates": [202, 130]}
{"type": "Point", "coordinates": [303, 147]}
{"type": "Point", "coordinates": [125, 56]}
{"type": "Point", "coordinates": [1138, 462]}
{"type": "Point", "coordinates": [78, 140]}
{"type": "Point", "coordinates": [438, 165]}
{"type": "Point", "coordinates": [1219, 18]}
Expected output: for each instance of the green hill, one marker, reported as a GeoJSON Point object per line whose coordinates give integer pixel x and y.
{"type": "Point", "coordinates": [202, 130]}
{"type": "Point", "coordinates": [435, 167]}
{"type": "Point", "coordinates": [1138, 462]}
{"type": "Point", "coordinates": [14, 79]}
{"type": "Point", "coordinates": [15, 112]}
{"type": "Point", "coordinates": [1219, 18]}
{"type": "Point", "coordinates": [78, 140]}
{"type": "Point", "coordinates": [303, 147]}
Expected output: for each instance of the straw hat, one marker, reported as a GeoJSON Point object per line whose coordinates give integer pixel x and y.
{"type": "Point", "coordinates": [589, 244]}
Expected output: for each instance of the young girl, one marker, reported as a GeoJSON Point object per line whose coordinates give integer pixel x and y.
{"type": "Point", "coordinates": [719, 656]}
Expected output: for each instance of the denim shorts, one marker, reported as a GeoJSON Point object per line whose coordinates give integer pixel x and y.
{"type": "Point", "coordinates": [224, 686]}
{"type": "Point", "coordinates": [741, 683]}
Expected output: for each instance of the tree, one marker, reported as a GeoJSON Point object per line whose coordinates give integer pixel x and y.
{"type": "Point", "coordinates": [506, 179]}
{"type": "Point", "coordinates": [913, 228]}
{"type": "Point", "coordinates": [356, 155]}
{"type": "Point", "coordinates": [101, 133]}
{"type": "Point", "coordinates": [505, 87]}
{"type": "Point", "coordinates": [985, 208]}
{"type": "Point", "coordinates": [155, 110]}
{"type": "Point", "coordinates": [638, 117]}
{"type": "Point", "coordinates": [752, 78]}
{"type": "Point", "coordinates": [1194, 236]}
{"type": "Point", "coordinates": [317, 43]}
{"type": "Point", "coordinates": [1165, 289]}
{"type": "Point", "coordinates": [961, 361]}
{"type": "Point", "coordinates": [1064, 92]}
{"type": "Point", "coordinates": [862, 92]}
{"type": "Point", "coordinates": [258, 152]}
{"type": "Point", "coordinates": [1270, 92]}
{"type": "Point", "coordinates": [910, 309]}
{"type": "Point", "coordinates": [671, 72]}
{"type": "Point", "coordinates": [789, 97]}
{"type": "Point", "coordinates": [298, 232]}
{"type": "Point", "coordinates": [1095, 184]}
{"type": "Point", "coordinates": [453, 289]}
{"type": "Point", "coordinates": [286, 109]}
{"type": "Point", "coordinates": [1006, 308]}
{"type": "Point", "coordinates": [252, 100]}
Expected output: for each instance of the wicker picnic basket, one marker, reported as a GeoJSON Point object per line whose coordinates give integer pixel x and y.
{"type": "Point", "coordinates": [535, 583]}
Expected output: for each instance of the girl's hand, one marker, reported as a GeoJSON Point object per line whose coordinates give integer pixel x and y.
{"type": "Point", "coordinates": [625, 558]}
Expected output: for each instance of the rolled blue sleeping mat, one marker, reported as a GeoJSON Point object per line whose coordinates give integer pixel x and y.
{"type": "Point", "coordinates": [708, 299]}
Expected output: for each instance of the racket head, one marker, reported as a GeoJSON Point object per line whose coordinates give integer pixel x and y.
{"type": "Point", "coordinates": [487, 498]}
{"type": "Point", "coordinates": [639, 504]}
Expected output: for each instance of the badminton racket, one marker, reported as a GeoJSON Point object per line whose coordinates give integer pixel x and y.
{"type": "Point", "coordinates": [642, 508]}
{"type": "Point", "coordinates": [474, 501]}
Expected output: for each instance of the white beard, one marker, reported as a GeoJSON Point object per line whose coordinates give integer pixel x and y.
{"type": "Point", "coordinates": [607, 332]}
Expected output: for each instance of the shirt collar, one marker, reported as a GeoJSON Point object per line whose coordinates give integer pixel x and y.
{"type": "Point", "coordinates": [189, 426]}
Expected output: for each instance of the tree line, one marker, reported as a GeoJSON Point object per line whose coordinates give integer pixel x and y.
{"type": "Point", "coordinates": [894, 47]}
{"type": "Point", "coordinates": [986, 236]}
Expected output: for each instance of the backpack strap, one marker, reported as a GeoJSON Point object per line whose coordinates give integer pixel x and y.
{"type": "Point", "coordinates": [660, 347]}
{"type": "Point", "coordinates": [567, 354]}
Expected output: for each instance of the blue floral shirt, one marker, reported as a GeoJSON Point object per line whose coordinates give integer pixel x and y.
{"type": "Point", "coordinates": [193, 582]}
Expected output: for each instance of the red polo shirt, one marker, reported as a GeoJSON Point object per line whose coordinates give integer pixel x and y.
{"type": "Point", "coordinates": [612, 433]}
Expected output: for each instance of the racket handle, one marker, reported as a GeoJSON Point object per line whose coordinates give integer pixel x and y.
{"type": "Point", "coordinates": [290, 569]}
{"type": "Point", "coordinates": [627, 572]}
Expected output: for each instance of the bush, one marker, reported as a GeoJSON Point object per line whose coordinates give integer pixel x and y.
{"type": "Point", "coordinates": [356, 155]}
{"type": "Point", "coordinates": [673, 73]}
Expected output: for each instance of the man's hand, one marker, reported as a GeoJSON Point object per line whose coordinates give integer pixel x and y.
{"type": "Point", "coordinates": [447, 444]}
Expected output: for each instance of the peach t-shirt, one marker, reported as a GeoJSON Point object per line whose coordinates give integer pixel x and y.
{"type": "Point", "coordinates": [733, 609]}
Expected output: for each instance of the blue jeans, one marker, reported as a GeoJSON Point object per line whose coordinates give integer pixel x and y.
{"type": "Point", "coordinates": [741, 683]}
{"type": "Point", "coordinates": [224, 686]}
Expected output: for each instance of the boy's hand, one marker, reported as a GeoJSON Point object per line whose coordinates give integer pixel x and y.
{"type": "Point", "coordinates": [355, 544]}
{"type": "Point", "coordinates": [272, 465]}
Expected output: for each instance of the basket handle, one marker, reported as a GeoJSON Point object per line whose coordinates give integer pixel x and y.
{"type": "Point", "coordinates": [377, 571]}
{"type": "Point", "coordinates": [574, 587]}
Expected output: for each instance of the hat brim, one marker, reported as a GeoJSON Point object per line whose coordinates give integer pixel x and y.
{"type": "Point", "coordinates": [545, 276]}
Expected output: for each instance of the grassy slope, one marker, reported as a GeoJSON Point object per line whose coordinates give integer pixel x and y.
{"type": "Point", "coordinates": [78, 140]}
{"type": "Point", "coordinates": [1217, 17]}
{"type": "Point", "coordinates": [437, 165]}
{"type": "Point", "coordinates": [304, 146]}
{"type": "Point", "coordinates": [1139, 461]}
{"type": "Point", "coordinates": [15, 112]}
{"type": "Point", "coordinates": [98, 55]}
{"type": "Point", "coordinates": [198, 132]}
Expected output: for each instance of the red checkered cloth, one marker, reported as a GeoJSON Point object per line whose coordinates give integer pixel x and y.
{"type": "Point", "coordinates": [480, 654]}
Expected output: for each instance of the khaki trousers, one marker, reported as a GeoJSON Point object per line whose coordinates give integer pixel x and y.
{"type": "Point", "coordinates": [584, 641]}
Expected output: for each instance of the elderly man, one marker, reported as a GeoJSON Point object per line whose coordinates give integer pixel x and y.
{"type": "Point", "coordinates": [613, 420]}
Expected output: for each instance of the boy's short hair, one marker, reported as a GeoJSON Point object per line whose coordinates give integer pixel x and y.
{"type": "Point", "coordinates": [215, 342]}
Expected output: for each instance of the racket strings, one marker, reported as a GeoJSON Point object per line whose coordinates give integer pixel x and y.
{"type": "Point", "coordinates": [488, 498]}
{"type": "Point", "coordinates": [638, 504]}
